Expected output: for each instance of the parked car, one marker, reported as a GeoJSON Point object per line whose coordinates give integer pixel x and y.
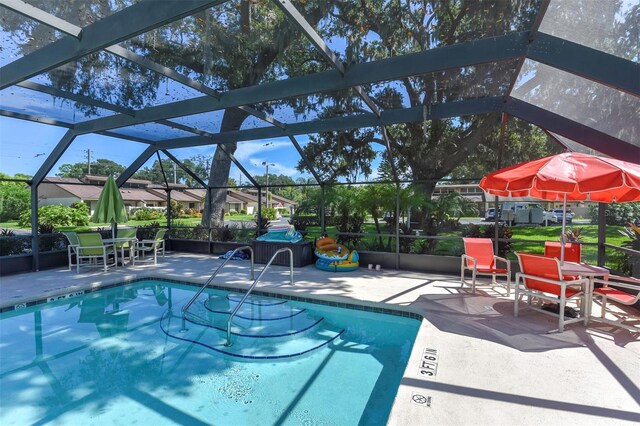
{"type": "Point", "coordinates": [558, 214]}
{"type": "Point", "coordinates": [490, 215]}
{"type": "Point", "coordinates": [526, 213]}
{"type": "Point", "coordinates": [549, 217]}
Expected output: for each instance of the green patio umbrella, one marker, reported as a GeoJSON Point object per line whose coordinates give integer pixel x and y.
{"type": "Point", "coordinates": [110, 207]}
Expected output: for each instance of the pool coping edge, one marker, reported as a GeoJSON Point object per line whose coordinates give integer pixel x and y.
{"type": "Point", "coordinates": [322, 299]}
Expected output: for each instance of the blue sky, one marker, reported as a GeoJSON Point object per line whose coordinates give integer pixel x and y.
{"type": "Point", "coordinates": [22, 144]}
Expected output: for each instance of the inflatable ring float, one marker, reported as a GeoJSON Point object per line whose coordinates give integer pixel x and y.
{"type": "Point", "coordinates": [335, 257]}
{"type": "Point", "coordinates": [327, 249]}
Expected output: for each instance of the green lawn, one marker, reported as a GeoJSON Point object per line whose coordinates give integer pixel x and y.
{"type": "Point", "coordinates": [187, 221]}
{"type": "Point", "coordinates": [532, 237]}
{"type": "Point", "coordinates": [12, 224]}
{"type": "Point", "coordinates": [536, 236]}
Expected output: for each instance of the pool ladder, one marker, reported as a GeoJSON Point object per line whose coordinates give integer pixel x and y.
{"type": "Point", "coordinates": [253, 285]}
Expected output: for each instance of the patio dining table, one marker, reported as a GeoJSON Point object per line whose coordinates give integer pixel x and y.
{"type": "Point", "coordinates": [116, 241]}
{"type": "Point", "coordinates": [586, 271]}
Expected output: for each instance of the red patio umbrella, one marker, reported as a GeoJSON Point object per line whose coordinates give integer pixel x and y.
{"type": "Point", "coordinates": [569, 176]}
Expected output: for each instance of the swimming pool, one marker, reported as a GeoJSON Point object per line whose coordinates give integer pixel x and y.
{"type": "Point", "coordinates": [123, 356]}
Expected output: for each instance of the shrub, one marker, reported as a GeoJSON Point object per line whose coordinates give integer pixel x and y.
{"type": "Point", "coordinates": [80, 208]}
{"type": "Point", "coordinates": [183, 230]}
{"type": "Point", "coordinates": [190, 213]}
{"type": "Point", "coordinates": [48, 241]}
{"type": "Point", "coordinates": [420, 246]}
{"type": "Point", "coordinates": [56, 216]}
{"type": "Point", "coordinates": [262, 223]}
{"type": "Point", "coordinates": [243, 211]}
{"type": "Point", "coordinates": [350, 223]}
{"type": "Point", "coordinates": [269, 213]}
{"type": "Point", "coordinates": [302, 221]}
{"type": "Point", "coordinates": [14, 198]}
{"type": "Point", "coordinates": [573, 235]}
{"type": "Point", "coordinates": [617, 214]}
{"type": "Point", "coordinates": [147, 232]}
{"type": "Point", "coordinates": [11, 246]}
{"type": "Point", "coordinates": [224, 234]}
{"type": "Point", "coordinates": [176, 209]}
{"type": "Point", "coordinates": [146, 213]}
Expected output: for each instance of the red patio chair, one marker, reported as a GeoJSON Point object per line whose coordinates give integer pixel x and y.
{"type": "Point", "coordinates": [542, 279]}
{"type": "Point", "coordinates": [610, 292]}
{"type": "Point", "coordinates": [480, 260]}
{"type": "Point", "coordinates": [571, 251]}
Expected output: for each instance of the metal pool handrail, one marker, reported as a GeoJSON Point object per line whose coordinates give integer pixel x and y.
{"type": "Point", "coordinates": [210, 280]}
{"type": "Point", "coordinates": [235, 311]}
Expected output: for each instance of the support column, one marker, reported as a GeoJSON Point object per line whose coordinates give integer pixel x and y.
{"type": "Point", "coordinates": [602, 233]}
{"type": "Point", "coordinates": [398, 226]}
{"type": "Point", "coordinates": [169, 210]}
{"type": "Point", "coordinates": [323, 229]}
{"type": "Point", "coordinates": [503, 130]}
{"type": "Point", "coordinates": [208, 198]}
{"type": "Point", "coordinates": [35, 236]}
{"type": "Point", "coordinates": [259, 208]}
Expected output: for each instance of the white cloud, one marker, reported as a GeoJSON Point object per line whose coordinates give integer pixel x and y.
{"type": "Point", "coordinates": [246, 150]}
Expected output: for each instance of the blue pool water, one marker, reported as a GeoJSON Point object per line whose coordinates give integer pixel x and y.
{"type": "Point", "coordinates": [122, 356]}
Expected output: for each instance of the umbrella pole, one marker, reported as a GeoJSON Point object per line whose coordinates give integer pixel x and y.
{"type": "Point", "coordinates": [564, 225]}
{"type": "Point", "coordinates": [113, 229]}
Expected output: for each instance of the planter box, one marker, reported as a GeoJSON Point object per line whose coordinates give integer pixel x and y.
{"type": "Point", "coordinates": [412, 262]}
{"type": "Point", "coordinates": [20, 263]}
{"type": "Point", "coordinates": [15, 264]}
{"type": "Point", "coordinates": [53, 259]}
{"type": "Point", "coordinates": [302, 253]}
{"type": "Point", "coordinates": [221, 247]}
{"type": "Point", "coordinates": [189, 246]}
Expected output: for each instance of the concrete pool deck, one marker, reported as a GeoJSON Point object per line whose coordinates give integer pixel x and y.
{"type": "Point", "coordinates": [492, 368]}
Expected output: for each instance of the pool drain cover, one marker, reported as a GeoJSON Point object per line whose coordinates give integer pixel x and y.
{"type": "Point", "coordinates": [422, 400]}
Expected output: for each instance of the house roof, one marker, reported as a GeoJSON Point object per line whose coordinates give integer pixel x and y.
{"type": "Point", "coordinates": [243, 196]}
{"type": "Point", "coordinates": [55, 179]}
{"type": "Point", "coordinates": [98, 178]}
{"type": "Point", "coordinates": [92, 192]}
{"type": "Point", "coordinates": [200, 193]}
{"type": "Point", "coordinates": [274, 197]}
{"type": "Point", "coordinates": [282, 199]}
{"type": "Point", "coordinates": [83, 192]}
{"type": "Point", "coordinates": [171, 185]}
{"type": "Point", "coordinates": [139, 194]}
{"type": "Point", "coordinates": [175, 195]}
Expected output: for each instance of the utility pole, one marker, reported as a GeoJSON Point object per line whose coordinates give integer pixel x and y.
{"type": "Point", "coordinates": [88, 151]}
{"type": "Point", "coordinates": [266, 173]}
{"type": "Point", "coordinates": [175, 174]}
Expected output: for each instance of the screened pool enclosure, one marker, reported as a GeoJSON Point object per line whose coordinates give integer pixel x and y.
{"type": "Point", "coordinates": [388, 92]}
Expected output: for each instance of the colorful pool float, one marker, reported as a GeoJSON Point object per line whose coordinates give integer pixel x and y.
{"type": "Point", "coordinates": [350, 264]}
{"type": "Point", "coordinates": [335, 257]}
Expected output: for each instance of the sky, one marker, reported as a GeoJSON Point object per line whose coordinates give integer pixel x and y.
{"type": "Point", "coordinates": [24, 146]}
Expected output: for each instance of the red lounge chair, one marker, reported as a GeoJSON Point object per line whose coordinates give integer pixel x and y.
{"type": "Point", "coordinates": [610, 292]}
{"type": "Point", "coordinates": [542, 279]}
{"type": "Point", "coordinates": [571, 251]}
{"type": "Point", "coordinates": [480, 260]}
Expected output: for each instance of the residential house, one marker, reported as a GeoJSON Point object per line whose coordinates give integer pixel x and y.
{"type": "Point", "coordinates": [66, 191]}
{"type": "Point", "coordinates": [136, 193]}
{"type": "Point", "coordinates": [231, 203]}
{"type": "Point", "coordinates": [275, 201]}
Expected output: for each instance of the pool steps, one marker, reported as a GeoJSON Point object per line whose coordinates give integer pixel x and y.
{"type": "Point", "coordinates": [263, 328]}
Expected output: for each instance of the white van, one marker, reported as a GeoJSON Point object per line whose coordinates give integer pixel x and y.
{"type": "Point", "coordinates": [527, 213]}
